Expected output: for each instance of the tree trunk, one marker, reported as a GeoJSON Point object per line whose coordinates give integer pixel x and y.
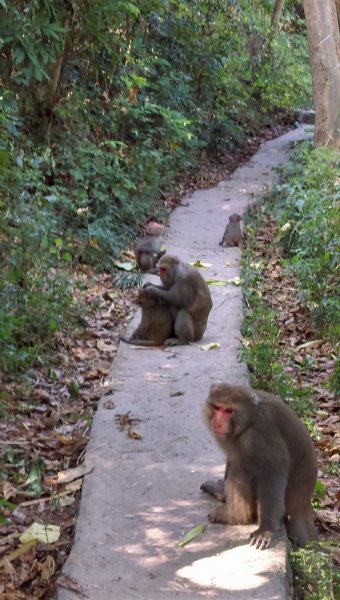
{"type": "Point", "coordinates": [277, 10]}
{"type": "Point", "coordinates": [337, 4]}
{"type": "Point", "coordinates": [324, 53]}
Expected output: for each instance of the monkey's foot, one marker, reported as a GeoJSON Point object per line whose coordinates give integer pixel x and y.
{"type": "Point", "coordinates": [173, 342]}
{"type": "Point", "coordinates": [214, 488]}
{"type": "Point", "coordinates": [261, 539]}
{"type": "Point", "coordinates": [219, 516]}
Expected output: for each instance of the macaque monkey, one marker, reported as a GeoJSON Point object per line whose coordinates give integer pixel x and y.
{"type": "Point", "coordinates": [156, 323]}
{"type": "Point", "coordinates": [271, 464]}
{"type": "Point", "coordinates": [186, 294]}
{"type": "Point", "coordinates": [232, 234]}
{"type": "Point", "coordinates": [148, 249]}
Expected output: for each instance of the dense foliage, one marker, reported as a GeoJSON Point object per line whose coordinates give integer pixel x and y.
{"type": "Point", "coordinates": [310, 222]}
{"type": "Point", "coordinates": [103, 104]}
{"type": "Point", "coordinates": [302, 242]}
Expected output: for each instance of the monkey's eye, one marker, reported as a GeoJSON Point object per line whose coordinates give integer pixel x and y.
{"type": "Point", "coordinates": [227, 411]}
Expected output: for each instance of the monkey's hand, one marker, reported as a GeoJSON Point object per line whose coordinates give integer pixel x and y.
{"type": "Point", "coordinates": [146, 285]}
{"type": "Point", "coordinates": [261, 539]}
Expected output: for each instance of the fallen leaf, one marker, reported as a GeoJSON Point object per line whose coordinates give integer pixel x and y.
{"type": "Point", "coordinates": [41, 533]}
{"type": "Point", "coordinates": [103, 347]}
{"type": "Point", "coordinates": [192, 534]}
{"type": "Point", "coordinates": [109, 404]}
{"type": "Point", "coordinates": [134, 435]}
{"type": "Point", "coordinates": [6, 560]}
{"type": "Point", "coordinates": [311, 344]}
{"type": "Point", "coordinates": [124, 266]}
{"type": "Point", "coordinates": [211, 346]}
{"type": "Point", "coordinates": [96, 374]}
{"type": "Point", "coordinates": [94, 243]}
{"type": "Point", "coordinates": [47, 568]}
{"type": "Point", "coordinates": [71, 474]}
{"type": "Point", "coordinates": [200, 264]}
{"type": "Point", "coordinates": [216, 281]}
{"type": "Point", "coordinates": [8, 490]}
{"type": "Point", "coordinates": [234, 281]}
{"type": "Point", "coordinates": [112, 295]}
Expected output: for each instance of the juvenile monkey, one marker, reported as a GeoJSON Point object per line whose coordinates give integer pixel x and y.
{"type": "Point", "coordinates": [148, 252]}
{"type": "Point", "coordinates": [271, 466]}
{"type": "Point", "coordinates": [232, 234]}
{"type": "Point", "coordinates": [148, 249]}
{"type": "Point", "coordinates": [156, 323]}
{"type": "Point", "coordinates": [186, 294]}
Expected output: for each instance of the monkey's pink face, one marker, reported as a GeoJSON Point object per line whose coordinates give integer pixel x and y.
{"type": "Point", "coordinates": [163, 274]}
{"type": "Point", "coordinates": [220, 421]}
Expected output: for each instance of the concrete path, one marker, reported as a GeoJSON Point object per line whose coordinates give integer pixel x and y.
{"type": "Point", "coordinates": [143, 495]}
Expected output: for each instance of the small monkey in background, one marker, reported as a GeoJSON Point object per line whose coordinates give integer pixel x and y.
{"type": "Point", "coordinates": [271, 464]}
{"type": "Point", "coordinates": [148, 249]}
{"type": "Point", "coordinates": [156, 322]}
{"type": "Point", "coordinates": [232, 234]}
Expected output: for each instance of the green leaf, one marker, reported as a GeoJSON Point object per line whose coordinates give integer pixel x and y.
{"type": "Point", "coordinates": [4, 159]}
{"type": "Point", "coordinates": [125, 266]}
{"type": "Point", "coordinates": [7, 504]}
{"type": "Point", "coordinates": [200, 264]}
{"type": "Point", "coordinates": [192, 534]}
{"type": "Point", "coordinates": [48, 534]}
{"type": "Point", "coordinates": [74, 388]}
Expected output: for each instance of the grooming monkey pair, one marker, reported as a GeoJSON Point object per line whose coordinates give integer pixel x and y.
{"type": "Point", "coordinates": [177, 313]}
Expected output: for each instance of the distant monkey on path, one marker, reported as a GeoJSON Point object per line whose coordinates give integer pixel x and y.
{"type": "Point", "coordinates": [233, 235]}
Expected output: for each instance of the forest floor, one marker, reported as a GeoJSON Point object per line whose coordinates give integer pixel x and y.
{"type": "Point", "coordinates": [46, 420]}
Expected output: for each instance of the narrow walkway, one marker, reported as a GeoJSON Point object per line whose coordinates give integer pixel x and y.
{"type": "Point", "coordinates": [144, 494]}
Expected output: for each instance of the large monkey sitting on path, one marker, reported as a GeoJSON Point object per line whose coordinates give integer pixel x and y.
{"type": "Point", "coordinates": [271, 464]}
{"type": "Point", "coordinates": [186, 294]}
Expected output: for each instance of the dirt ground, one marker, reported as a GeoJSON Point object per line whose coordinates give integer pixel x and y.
{"type": "Point", "coordinates": [150, 449]}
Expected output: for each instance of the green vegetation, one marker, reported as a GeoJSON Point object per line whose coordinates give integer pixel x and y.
{"type": "Point", "coordinates": [314, 572]}
{"type": "Point", "coordinates": [309, 205]}
{"type": "Point", "coordinates": [103, 105]}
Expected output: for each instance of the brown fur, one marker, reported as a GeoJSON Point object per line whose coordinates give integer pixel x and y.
{"type": "Point", "coordinates": [232, 234]}
{"type": "Point", "coordinates": [187, 295]}
{"type": "Point", "coordinates": [148, 252]}
{"type": "Point", "coordinates": [271, 467]}
{"type": "Point", "coordinates": [156, 322]}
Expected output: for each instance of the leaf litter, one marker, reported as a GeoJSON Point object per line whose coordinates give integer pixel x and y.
{"type": "Point", "coordinates": [310, 362]}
